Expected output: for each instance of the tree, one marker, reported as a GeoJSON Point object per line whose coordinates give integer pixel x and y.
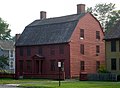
{"type": "Point", "coordinates": [113, 18]}
{"type": "Point", "coordinates": [105, 13]}
{"type": "Point", "coordinates": [4, 30]}
{"type": "Point", "coordinates": [3, 63]}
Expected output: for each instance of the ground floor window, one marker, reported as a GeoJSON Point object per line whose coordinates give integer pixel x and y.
{"type": "Point", "coordinates": [11, 64]}
{"type": "Point", "coordinates": [119, 63]}
{"type": "Point", "coordinates": [82, 65]}
{"type": "Point", "coordinates": [21, 66]}
{"type": "Point", "coordinates": [53, 65]}
{"type": "Point", "coordinates": [97, 65]}
{"type": "Point", "coordinates": [113, 64]}
{"type": "Point", "coordinates": [29, 66]}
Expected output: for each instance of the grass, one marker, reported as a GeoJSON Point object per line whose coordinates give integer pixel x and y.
{"type": "Point", "coordinates": [40, 83]}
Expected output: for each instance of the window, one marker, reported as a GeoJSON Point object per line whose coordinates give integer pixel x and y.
{"type": "Point", "coordinates": [53, 64]}
{"type": "Point", "coordinates": [21, 51]}
{"type": "Point", "coordinates": [97, 49]}
{"type": "Point", "coordinates": [113, 64]}
{"type": "Point", "coordinates": [61, 49]}
{"type": "Point", "coordinates": [11, 53]}
{"type": "Point", "coordinates": [82, 65]}
{"type": "Point", "coordinates": [40, 51]}
{"type": "Point", "coordinates": [81, 33]}
{"type": "Point", "coordinates": [97, 65]}
{"type": "Point", "coordinates": [113, 46]}
{"type": "Point", "coordinates": [119, 63]}
{"type": "Point", "coordinates": [52, 51]}
{"type": "Point", "coordinates": [98, 35]}
{"type": "Point", "coordinates": [81, 48]}
{"type": "Point", "coordinates": [28, 51]}
{"type": "Point", "coordinates": [119, 45]}
{"type": "Point", "coordinates": [21, 66]}
{"type": "Point", "coordinates": [11, 64]}
{"type": "Point", "coordinates": [29, 66]}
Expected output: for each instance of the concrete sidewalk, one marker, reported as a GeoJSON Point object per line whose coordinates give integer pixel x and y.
{"type": "Point", "coordinates": [9, 86]}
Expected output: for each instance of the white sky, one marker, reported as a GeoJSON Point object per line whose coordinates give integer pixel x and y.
{"type": "Point", "coordinates": [19, 13]}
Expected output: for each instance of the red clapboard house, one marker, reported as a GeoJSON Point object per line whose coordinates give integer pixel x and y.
{"type": "Point", "coordinates": [74, 40]}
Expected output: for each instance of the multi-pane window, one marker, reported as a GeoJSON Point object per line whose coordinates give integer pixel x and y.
{"type": "Point", "coordinates": [21, 51]}
{"type": "Point", "coordinates": [21, 66]}
{"type": "Point", "coordinates": [28, 51]}
{"type": "Point", "coordinates": [97, 65]}
{"type": "Point", "coordinates": [40, 51]}
{"type": "Point", "coordinates": [53, 65]}
{"type": "Point", "coordinates": [29, 66]}
{"type": "Point", "coordinates": [113, 64]}
{"type": "Point", "coordinates": [97, 49]}
{"type": "Point", "coordinates": [97, 35]}
{"type": "Point", "coordinates": [81, 48]}
{"type": "Point", "coordinates": [61, 49]}
{"type": "Point", "coordinates": [119, 45]}
{"type": "Point", "coordinates": [119, 63]}
{"type": "Point", "coordinates": [81, 33]}
{"type": "Point", "coordinates": [11, 64]}
{"type": "Point", "coordinates": [82, 65]}
{"type": "Point", "coordinates": [11, 53]}
{"type": "Point", "coordinates": [52, 50]}
{"type": "Point", "coordinates": [113, 46]}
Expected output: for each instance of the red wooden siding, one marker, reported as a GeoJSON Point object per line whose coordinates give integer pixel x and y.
{"type": "Point", "coordinates": [90, 26]}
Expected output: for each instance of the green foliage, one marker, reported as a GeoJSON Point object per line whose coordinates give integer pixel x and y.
{"type": "Point", "coordinates": [3, 63]}
{"type": "Point", "coordinates": [4, 30]}
{"type": "Point", "coordinates": [102, 69]}
{"type": "Point", "coordinates": [105, 13]}
{"type": "Point", "coordinates": [113, 18]}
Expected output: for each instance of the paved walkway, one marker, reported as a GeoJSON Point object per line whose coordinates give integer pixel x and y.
{"type": "Point", "coordinates": [9, 86]}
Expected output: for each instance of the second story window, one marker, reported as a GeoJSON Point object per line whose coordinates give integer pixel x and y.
{"type": "Point", "coordinates": [28, 51]}
{"type": "Point", "coordinates": [21, 51]}
{"type": "Point", "coordinates": [119, 45]}
{"type": "Point", "coordinates": [98, 35]}
{"type": "Point", "coordinates": [40, 51]}
{"type": "Point", "coordinates": [97, 49]}
{"type": "Point", "coordinates": [11, 53]}
{"type": "Point", "coordinates": [113, 46]}
{"type": "Point", "coordinates": [81, 48]}
{"type": "Point", "coordinates": [52, 51]}
{"type": "Point", "coordinates": [61, 49]}
{"type": "Point", "coordinates": [81, 33]}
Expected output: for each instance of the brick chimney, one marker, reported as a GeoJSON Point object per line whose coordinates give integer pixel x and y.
{"type": "Point", "coordinates": [80, 8]}
{"type": "Point", "coordinates": [17, 37]}
{"type": "Point", "coordinates": [42, 15]}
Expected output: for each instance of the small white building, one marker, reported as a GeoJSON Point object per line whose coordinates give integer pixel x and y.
{"type": "Point", "coordinates": [7, 49]}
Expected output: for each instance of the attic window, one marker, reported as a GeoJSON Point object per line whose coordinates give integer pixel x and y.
{"type": "Point", "coordinates": [81, 33]}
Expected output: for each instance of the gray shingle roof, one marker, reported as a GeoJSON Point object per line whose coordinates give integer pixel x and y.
{"type": "Point", "coordinates": [113, 33]}
{"type": "Point", "coordinates": [6, 45]}
{"type": "Point", "coordinates": [49, 31]}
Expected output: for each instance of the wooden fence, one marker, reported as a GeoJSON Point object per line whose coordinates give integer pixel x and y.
{"type": "Point", "coordinates": [7, 75]}
{"type": "Point", "coordinates": [99, 77]}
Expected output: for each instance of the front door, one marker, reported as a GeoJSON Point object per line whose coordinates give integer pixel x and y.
{"type": "Point", "coordinates": [38, 66]}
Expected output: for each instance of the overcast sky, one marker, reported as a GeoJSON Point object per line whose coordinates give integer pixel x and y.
{"type": "Point", "coordinates": [19, 13]}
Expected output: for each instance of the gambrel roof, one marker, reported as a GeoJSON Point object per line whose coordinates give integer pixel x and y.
{"type": "Point", "coordinates": [49, 31]}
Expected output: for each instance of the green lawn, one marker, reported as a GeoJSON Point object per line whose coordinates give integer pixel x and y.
{"type": "Point", "coordinates": [39, 83]}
